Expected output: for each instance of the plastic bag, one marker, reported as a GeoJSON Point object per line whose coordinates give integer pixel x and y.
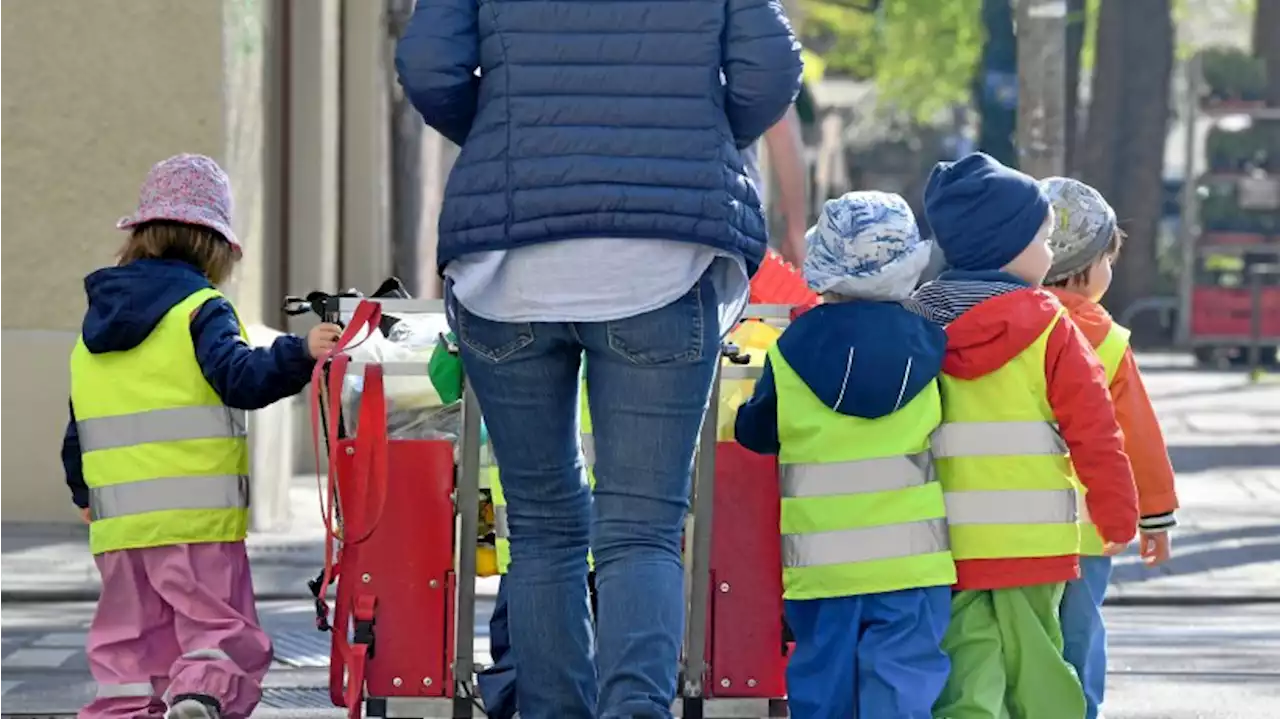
{"type": "Point", "coordinates": [415, 409]}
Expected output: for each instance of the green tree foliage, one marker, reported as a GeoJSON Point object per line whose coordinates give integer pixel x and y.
{"type": "Point", "coordinates": [922, 54]}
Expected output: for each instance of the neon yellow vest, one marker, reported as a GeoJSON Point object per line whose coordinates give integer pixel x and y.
{"type": "Point", "coordinates": [861, 512]}
{"type": "Point", "coordinates": [1111, 352]}
{"type": "Point", "coordinates": [1005, 471]}
{"type": "Point", "coordinates": [501, 530]}
{"type": "Point", "coordinates": [165, 461]}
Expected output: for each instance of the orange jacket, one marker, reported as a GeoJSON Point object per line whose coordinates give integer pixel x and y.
{"type": "Point", "coordinates": [1143, 440]}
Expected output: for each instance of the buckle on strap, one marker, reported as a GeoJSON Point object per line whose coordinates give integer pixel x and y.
{"type": "Point", "coordinates": [363, 623]}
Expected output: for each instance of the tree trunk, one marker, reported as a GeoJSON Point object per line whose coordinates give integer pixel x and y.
{"type": "Point", "coordinates": [996, 82]}
{"type": "Point", "coordinates": [1266, 26]}
{"type": "Point", "coordinates": [1123, 151]}
{"type": "Point", "coordinates": [1076, 14]}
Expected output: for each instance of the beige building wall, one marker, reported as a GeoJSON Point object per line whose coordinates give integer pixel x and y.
{"type": "Point", "coordinates": [94, 93]}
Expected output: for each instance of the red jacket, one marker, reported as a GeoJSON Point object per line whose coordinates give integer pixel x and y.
{"type": "Point", "coordinates": [986, 338]}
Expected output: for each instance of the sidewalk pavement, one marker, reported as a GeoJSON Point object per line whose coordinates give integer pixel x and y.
{"type": "Point", "coordinates": [46, 671]}
{"type": "Point", "coordinates": [1223, 435]}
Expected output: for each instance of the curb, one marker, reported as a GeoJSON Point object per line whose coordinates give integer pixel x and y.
{"type": "Point", "coordinates": [1189, 600]}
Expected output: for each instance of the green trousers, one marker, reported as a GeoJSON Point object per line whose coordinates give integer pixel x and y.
{"type": "Point", "coordinates": [1006, 657]}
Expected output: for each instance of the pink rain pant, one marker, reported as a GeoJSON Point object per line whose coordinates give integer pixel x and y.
{"type": "Point", "coordinates": [176, 620]}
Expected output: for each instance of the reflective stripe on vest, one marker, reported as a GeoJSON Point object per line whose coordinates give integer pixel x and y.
{"type": "Point", "coordinates": [1111, 351]}
{"type": "Point", "coordinates": [994, 439]}
{"type": "Point", "coordinates": [1006, 473]}
{"type": "Point", "coordinates": [1011, 506]}
{"type": "Point", "coordinates": [160, 425]}
{"type": "Point", "coordinates": [155, 495]}
{"type": "Point", "coordinates": [864, 544]}
{"type": "Point", "coordinates": [880, 474]}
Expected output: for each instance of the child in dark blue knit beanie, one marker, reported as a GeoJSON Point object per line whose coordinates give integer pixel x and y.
{"type": "Point", "coordinates": [1027, 424]}
{"type": "Point", "coordinates": [986, 216]}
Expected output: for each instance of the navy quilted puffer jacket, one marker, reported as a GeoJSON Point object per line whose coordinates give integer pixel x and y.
{"type": "Point", "coordinates": [600, 118]}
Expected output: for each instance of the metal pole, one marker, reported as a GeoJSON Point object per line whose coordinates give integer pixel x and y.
{"type": "Point", "coordinates": [1255, 320]}
{"type": "Point", "coordinates": [695, 659]}
{"type": "Point", "coordinates": [1041, 27]}
{"type": "Point", "coordinates": [467, 501]}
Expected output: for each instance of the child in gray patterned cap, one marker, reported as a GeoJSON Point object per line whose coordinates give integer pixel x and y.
{"type": "Point", "coordinates": [848, 401]}
{"type": "Point", "coordinates": [1085, 240]}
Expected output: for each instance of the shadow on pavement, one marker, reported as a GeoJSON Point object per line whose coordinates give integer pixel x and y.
{"type": "Point", "coordinates": [1207, 457]}
{"type": "Point", "coordinates": [1198, 562]}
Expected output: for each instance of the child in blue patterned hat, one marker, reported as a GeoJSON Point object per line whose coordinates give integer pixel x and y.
{"type": "Point", "coordinates": [848, 401]}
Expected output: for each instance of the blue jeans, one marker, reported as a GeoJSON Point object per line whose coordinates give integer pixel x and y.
{"type": "Point", "coordinates": [649, 378]}
{"type": "Point", "coordinates": [868, 656]}
{"type": "Point", "coordinates": [1083, 631]}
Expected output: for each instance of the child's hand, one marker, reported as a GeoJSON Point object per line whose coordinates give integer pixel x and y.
{"type": "Point", "coordinates": [1155, 548]}
{"type": "Point", "coordinates": [1111, 549]}
{"type": "Point", "coordinates": [84, 515]}
{"type": "Point", "coordinates": [322, 338]}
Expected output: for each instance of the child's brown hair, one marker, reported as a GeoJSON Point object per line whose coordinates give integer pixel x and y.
{"type": "Point", "coordinates": [1082, 276]}
{"type": "Point", "coordinates": [199, 246]}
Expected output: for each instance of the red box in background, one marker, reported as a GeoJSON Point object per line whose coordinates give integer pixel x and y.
{"type": "Point", "coordinates": [1225, 312]}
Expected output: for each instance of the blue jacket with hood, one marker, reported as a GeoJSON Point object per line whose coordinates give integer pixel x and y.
{"type": "Point", "coordinates": [600, 118]}
{"type": "Point", "coordinates": [862, 359]}
{"type": "Point", "coordinates": [125, 305]}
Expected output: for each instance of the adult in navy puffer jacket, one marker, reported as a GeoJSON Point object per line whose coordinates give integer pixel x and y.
{"type": "Point", "coordinates": [600, 118]}
{"type": "Point", "coordinates": [601, 197]}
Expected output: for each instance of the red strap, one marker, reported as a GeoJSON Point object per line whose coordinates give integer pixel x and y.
{"type": "Point", "coordinates": [364, 606]}
{"type": "Point", "coordinates": [367, 317]}
{"type": "Point", "coordinates": [352, 659]}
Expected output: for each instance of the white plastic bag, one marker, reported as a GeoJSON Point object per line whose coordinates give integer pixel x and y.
{"type": "Point", "coordinates": [414, 408]}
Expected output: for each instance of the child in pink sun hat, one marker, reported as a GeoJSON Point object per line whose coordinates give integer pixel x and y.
{"type": "Point", "coordinates": [156, 455]}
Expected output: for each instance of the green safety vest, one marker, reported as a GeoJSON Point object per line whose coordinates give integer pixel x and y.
{"type": "Point", "coordinates": [1006, 474]}
{"type": "Point", "coordinates": [861, 512]}
{"type": "Point", "coordinates": [501, 530]}
{"type": "Point", "coordinates": [165, 461]}
{"type": "Point", "coordinates": [1111, 351]}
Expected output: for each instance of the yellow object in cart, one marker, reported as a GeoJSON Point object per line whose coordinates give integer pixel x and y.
{"type": "Point", "coordinates": [486, 560]}
{"type": "Point", "coordinates": [753, 338]}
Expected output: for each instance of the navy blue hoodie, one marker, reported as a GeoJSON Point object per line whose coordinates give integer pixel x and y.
{"type": "Point", "coordinates": [862, 359]}
{"type": "Point", "coordinates": [125, 305]}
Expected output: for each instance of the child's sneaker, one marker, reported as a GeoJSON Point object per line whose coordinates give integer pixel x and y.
{"type": "Point", "coordinates": [194, 706]}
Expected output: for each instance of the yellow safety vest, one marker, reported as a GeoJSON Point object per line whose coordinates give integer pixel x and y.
{"type": "Point", "coordinates": [1111, 352]}
{"type": "Point", "coordinates": [1007, 477]}
{"type": "Point", "coordinates": [861, 512]}
{"type": "Point", "coordinates": [501, 530]}
{"type": "Point", "coordinates": [165, 461]}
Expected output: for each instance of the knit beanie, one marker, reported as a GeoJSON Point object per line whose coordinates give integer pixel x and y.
{"type": "Point", "coordinates": [983, 213]}
{"type": "Point", "coordinates": [1082, 228]}
{"type": "Point", "coordinates": [865, 245]}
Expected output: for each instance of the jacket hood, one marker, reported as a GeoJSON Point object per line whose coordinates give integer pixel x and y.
{"type": "Point", "coordinates": [995, 331]}
{"type": "Point", "coordinates": [864, 359]}
{"type": "Point", "coordinates": [1092, 318]}
{"type": "Point", "coordinates": [127, 302]}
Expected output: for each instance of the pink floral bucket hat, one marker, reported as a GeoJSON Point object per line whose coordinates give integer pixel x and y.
{"type": "Point", "coordinates": [190, 189]}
